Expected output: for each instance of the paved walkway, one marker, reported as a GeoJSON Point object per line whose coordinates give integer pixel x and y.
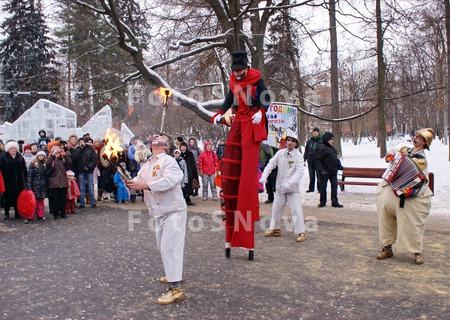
{"type": "Point", "coordinates": [103, 264]}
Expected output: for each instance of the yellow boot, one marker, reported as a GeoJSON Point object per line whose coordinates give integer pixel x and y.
{"type": "Point", "coordinates": [273, 233]}
{"type": "Point", "coordinates": [174, 294]}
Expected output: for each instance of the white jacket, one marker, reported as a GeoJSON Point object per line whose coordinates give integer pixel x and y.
{"type": "Point", "coordinates": [290, 170]}
{"type": "Point", "coordinates": [163, 176]}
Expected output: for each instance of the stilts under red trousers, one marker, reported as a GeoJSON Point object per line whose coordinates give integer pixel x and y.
{"type": "Point", "coordinates": [239, 183]}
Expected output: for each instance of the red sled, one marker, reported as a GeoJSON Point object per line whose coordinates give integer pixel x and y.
{"type": "Point", "coordinates": [26, 204]}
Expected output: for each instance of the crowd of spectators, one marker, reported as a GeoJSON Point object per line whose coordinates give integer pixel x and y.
{"type": "Point", "coordinates": [67, 171]}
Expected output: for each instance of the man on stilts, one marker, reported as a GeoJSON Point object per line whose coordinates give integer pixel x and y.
{"type": "Point", "coordinates": [249, 98]}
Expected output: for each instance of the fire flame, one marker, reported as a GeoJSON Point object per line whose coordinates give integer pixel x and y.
{"type": "Point", "coordinates": [164, 94]}
{"type": "Point", "coordinates": [112, 146]}
{"type": "Point", "coordinates": [130, 112]}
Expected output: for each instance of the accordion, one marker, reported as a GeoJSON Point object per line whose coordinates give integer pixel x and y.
{"type": "Point", "coordinates": [404, 176]}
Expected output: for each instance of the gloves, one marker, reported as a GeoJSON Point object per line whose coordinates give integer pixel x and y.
{"type": "Point", "coordinates": [262, 180]}
{"type": "Point", "coordinates": [217, 117]}
{"type": "Point", "coordinates": [256, 118]}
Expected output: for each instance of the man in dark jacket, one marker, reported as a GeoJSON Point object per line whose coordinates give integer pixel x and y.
{"type": "Point", "coordinates": [310, 149]}
{"type": "Point", "coordinates": [191, 164]}
{"type": "Point", "coordinates": [327, 164]}
{"type": "Point", "coordinates": [85, 159]}
{"type": "Point", "coordinates": [265, 154]}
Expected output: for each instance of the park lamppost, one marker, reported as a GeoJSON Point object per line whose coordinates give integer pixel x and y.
{"type": "Point", "coordinates": [164, 94]}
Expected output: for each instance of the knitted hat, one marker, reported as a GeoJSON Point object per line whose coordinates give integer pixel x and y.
{"type": "Point", "coordinates": [43, 143]}
{"type": "Point", "coordinates": [207, 143]}
{"type": "Point", "coordinates": [428, 135]}
{"type": "Point", "coordinates": [316, 129]}
{"type": "Point", "coordinates": [70, 173]}
{"type": "Point", "coordinates": [25, 147]}
{"type": "Point", "coordinates": [327, 136]}
{"type": "Point", "coordinates": [177, 151]}
{"type": "Point", "coordinates": [239, 60]}
{"type": "Point", "coordinates": [55, 148]}
{"type": "Point", "coordinates": [41, 153]}
{"type": "Point", "coordinates": [11, 144]}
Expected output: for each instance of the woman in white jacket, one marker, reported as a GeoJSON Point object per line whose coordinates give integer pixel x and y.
{"type": "Point", "coordinates": [290, 166]}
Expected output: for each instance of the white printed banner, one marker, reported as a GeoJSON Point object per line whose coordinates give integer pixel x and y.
{"type": "Point", "coordinates": [280, 116]}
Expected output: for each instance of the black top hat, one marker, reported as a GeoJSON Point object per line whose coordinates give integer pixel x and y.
{"type": "Point", "coordinates": [239, 60]}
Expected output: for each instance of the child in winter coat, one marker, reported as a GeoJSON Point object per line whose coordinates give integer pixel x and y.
{"type": "Point", "coordinates": [27, 155]}
{"type": "Point", "coordinates": [73, 192]}
{"type": "Point", "coordinates": [37, 182]}
{"type": "Point", "coordinates": [141, 153]}
{"type": "Point", "coordinates": [122, 191]}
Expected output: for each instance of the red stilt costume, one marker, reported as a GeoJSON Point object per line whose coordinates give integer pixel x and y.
{"type": "Point", "coordinates": [249, 98]}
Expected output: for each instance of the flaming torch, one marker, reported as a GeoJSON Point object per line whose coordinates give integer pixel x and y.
{"type": "Point", "coordinates": [164, 94]}
{"type": "Point", "coordinates": [111, 149]}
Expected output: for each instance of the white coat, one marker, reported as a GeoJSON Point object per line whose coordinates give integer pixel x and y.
{"type": "Point", "coordinates": [165, 202]}
{"type": "Point", "coordinates": [290, 166]}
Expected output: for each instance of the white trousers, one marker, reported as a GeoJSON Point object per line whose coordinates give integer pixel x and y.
{"type": "Point", "coordinates": [170, 235]}
{"type": "Point", "coordinates": [295, 203]}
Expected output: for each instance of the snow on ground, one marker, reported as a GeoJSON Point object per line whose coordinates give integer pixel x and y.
{"type": "Point", "coordinates": [367, 154]}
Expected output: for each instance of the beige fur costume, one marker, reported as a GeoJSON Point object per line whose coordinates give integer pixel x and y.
{"type": "Point", "coordinates": [403, 226]}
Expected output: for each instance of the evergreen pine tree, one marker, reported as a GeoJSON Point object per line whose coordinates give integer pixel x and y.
{"type": "Point", "coordinates": [97, 65]}
{"type": "Point", "coordinates": [26, 55]}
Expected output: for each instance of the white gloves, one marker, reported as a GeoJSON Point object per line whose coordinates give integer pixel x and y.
{"type": "Point", "coordinates": [262, 180]}
{"type": "Point", "coordinates": [256, 118]}
{"type": "Point", "coordinates": [218, 118]}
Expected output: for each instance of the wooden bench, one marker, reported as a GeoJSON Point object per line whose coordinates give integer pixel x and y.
{"type": "Point", "coordinates": [369, 173]}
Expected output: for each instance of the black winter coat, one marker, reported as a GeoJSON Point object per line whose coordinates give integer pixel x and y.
{"type": "Point", "coordinates": [37, 179]}
{"type": "Point", "coordinates": [14, 173]}
{"type": "Point", "coordinates": [327, 161]}
{"type": "Point", "coordinates": [311, 147]}
{"type": "Point", "coordinates": [191, 164]}
{"type": "Point", "coordinates": [84, 159]}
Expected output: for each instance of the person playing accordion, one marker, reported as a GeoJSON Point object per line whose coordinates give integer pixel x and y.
{"type": "Point", "coordinates": [402, 212]}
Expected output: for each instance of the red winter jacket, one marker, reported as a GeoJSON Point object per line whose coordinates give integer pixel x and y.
{"type": "Point", "coordinates": [208, 162]}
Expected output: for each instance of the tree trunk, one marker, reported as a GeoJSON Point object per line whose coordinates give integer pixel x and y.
{"type": "Point", "coordinates": [381, 83]}
{"type": "Point", "coordinates": [447, 101]}
{"type": "Point", "coordinates": [335, 112]}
